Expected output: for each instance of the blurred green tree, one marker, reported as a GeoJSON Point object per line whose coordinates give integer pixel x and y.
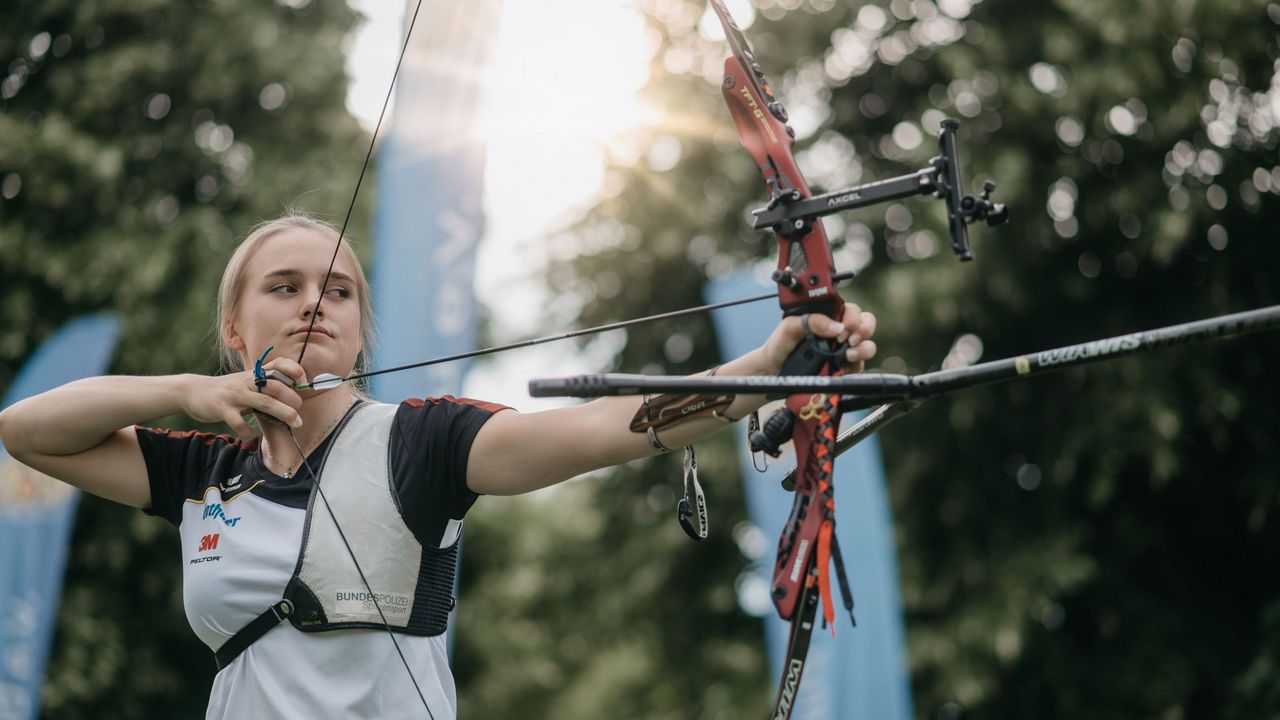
{"type": "Point", "coordinates": [1094, 544]}
{"type": "Point", "coordinates": [138, 140]}
{"type": "Point", "coordinates": [1098, 543]}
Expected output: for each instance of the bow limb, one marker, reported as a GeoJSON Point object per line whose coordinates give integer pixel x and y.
{"type": "Point", "coordinates": [805, 266]}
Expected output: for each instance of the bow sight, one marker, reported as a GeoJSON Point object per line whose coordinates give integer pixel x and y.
{"type": "Point", "coordinates": [788, 213]}
{"type": "Point", "coordinates": [791, 215]}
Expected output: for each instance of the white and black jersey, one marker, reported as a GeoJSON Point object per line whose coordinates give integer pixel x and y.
{"type": "Point", "coordinates": [241, 528]}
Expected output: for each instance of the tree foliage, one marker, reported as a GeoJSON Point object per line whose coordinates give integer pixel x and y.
{"type": "Point", "coordinates": [138, 141]}
{"type": "Point", "coordinates": [1098, 543]}
{"type": "Point", "coordinates": [1087, 544]}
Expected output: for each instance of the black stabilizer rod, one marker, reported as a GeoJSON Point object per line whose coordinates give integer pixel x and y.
{"type": "Point", "coordinates": [868, 389]}
{"type": "Point", "coordinates": [1087, 353]}
{"type": "Point", "coordinates": [880, 385]}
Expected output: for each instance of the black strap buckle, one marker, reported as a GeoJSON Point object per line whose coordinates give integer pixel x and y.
{"type": "Point", "coordinates": [249, 634]}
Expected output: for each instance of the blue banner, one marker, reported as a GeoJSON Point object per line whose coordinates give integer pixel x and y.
{"type": "Point", "coordinates": [35, 520]}
{"type": "Point", "coordinates": [861, 672]}
{"type": "Point", "coordinates": [429, 217]}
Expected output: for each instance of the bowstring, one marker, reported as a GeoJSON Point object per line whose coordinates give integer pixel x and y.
{"type": "Point", "coordinates": [315, 313]}
{"type": "Point", "coordinates": [519, 344]}
{"type": "Point", "coordinates": [342, 232]}
{"type": "Point", "coordinates": [315, 482]}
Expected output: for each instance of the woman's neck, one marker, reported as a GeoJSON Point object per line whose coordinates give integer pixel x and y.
{"type": "Point", "coordinates": [320, 413]}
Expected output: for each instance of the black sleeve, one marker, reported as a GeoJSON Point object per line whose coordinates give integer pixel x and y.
{"type": "Point", "coordinates": [430, 443]}
{"type": "Point", "coordinates": [180, 465]}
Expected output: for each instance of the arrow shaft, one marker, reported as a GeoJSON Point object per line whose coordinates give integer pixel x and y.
{"type": "Point", "coordinates": [840, 277]}
{"type": "Point", "coordinates": [884, 386]}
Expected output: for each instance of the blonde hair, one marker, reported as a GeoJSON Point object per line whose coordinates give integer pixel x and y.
{"type": "Point", "coordinates": [233, 279]}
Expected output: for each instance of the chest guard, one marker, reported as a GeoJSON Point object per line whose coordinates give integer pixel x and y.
{"type": "Point", "coordinates": [413, 584]}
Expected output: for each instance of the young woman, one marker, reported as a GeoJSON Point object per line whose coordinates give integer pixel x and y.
{"type": "Point", "coordinates": [317, 601]}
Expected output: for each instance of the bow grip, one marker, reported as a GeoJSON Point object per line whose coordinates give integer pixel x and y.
{"type": "Point", "coordinates": [809, 357]}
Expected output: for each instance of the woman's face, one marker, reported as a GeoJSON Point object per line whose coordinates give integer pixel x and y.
{"type": "Point", "coordinates": [282, 282]}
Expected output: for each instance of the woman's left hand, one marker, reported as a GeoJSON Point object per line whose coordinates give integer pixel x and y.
{"type": "Point", "coordinates": [857, 326]}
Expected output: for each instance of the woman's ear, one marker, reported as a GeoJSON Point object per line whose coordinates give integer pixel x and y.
{"type": "Point", "coordinates": [231, 338]}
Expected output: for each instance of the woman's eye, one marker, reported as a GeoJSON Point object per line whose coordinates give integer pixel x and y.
{"type": "Point", "coordinates": [340, 292]}
{"type": "Point", "coordinates": [284, 288]}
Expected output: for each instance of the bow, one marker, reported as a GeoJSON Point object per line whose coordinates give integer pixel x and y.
{"type": "Point", "coordinates": [808, 545]}
{"type": "Point", "coordinates": [802, 569]}
{"type": "Point", "coordinates": [807, 284]}
{"type": "Point", "coordinates": [808, 549]}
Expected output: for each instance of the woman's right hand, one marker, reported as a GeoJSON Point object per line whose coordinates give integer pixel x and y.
{"type": "Point", "coordinates": [231, 398]}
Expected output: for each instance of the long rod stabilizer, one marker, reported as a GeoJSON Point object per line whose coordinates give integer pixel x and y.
{"type": "Point", "coordinates": [886, 386]}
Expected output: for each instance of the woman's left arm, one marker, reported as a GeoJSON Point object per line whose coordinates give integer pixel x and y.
{"type": "Point", "coordinates": [516, 453]}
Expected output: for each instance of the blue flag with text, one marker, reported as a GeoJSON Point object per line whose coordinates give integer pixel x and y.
{"type": "Point", "coordinates": [428, 219]}
{"type": "Point", "coordinates": [36, 512]}
{"type": "Point", "coordinates": [429, 215]}
{"type": "Point", "coordinates": [862, 671]}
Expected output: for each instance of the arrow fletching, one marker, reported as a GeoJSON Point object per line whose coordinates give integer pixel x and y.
{"type": "Point", "coordinates": [323, 381]}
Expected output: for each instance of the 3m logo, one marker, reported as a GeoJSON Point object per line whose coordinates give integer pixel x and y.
{"type": "Point", "coordinates": [208, 542]}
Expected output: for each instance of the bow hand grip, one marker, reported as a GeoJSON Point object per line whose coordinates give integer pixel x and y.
{"type": "Point", "coordinates": [809, 358]}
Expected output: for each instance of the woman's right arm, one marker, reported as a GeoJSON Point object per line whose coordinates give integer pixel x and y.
{"type": "Point", "coordinates": [82, 433]}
